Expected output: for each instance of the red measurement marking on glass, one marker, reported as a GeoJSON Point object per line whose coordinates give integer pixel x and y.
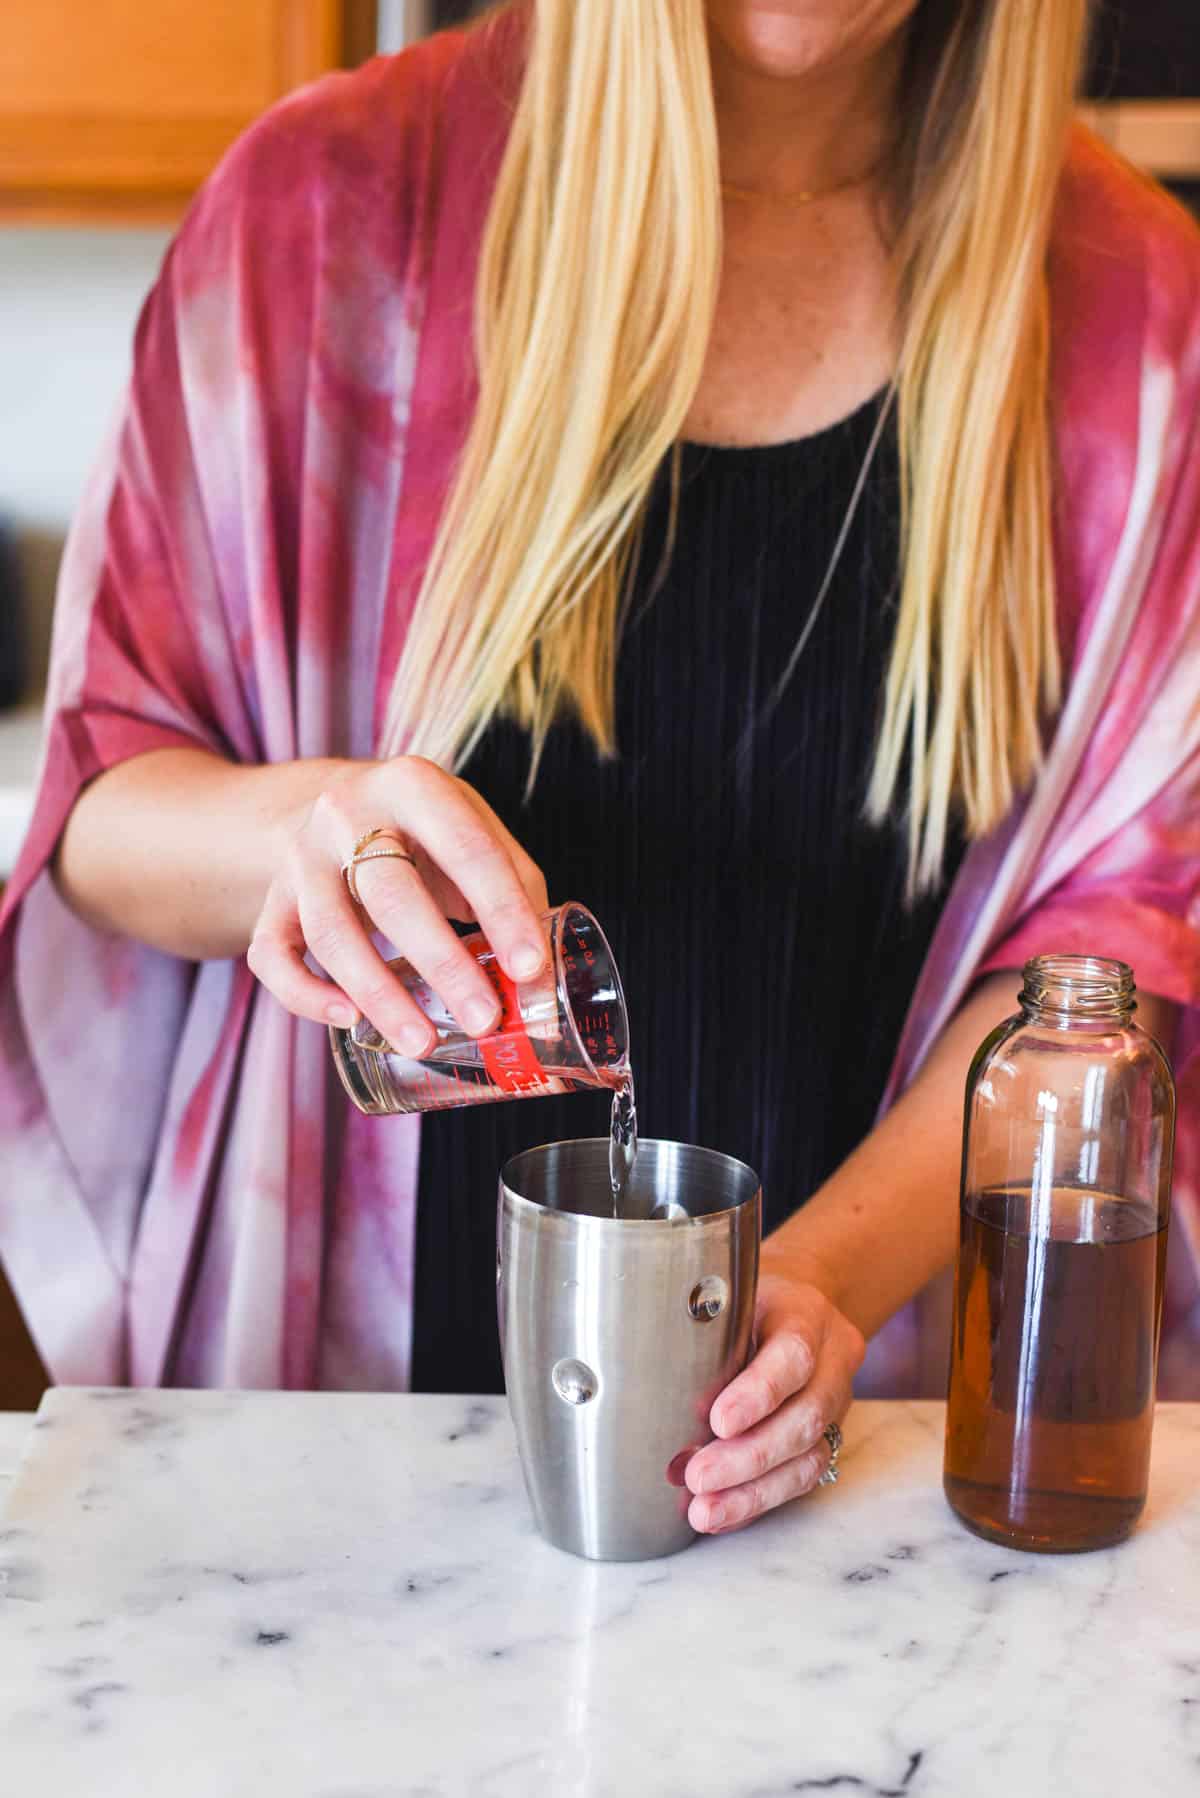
{"type": "Point", "coordinates": [508, 1055]}
{"type": "Point", "coordinates": [581, 946]}
{"type": "Point", "coordinates": [598, 1037]}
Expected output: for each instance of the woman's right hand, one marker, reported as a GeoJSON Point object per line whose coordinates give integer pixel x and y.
{"type": "Point", "coordinates": [466, 865]}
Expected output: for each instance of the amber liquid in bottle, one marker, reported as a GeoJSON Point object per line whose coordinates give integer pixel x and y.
{"type": "Point", "coordinates": [1053, 1361]}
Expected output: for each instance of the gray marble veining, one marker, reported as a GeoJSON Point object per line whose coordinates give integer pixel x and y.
{"type": "Point", "coordinates": [330, 1596]}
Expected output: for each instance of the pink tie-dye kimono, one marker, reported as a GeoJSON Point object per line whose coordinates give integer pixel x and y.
{"type": "Point", "coordinates": [185, 1196]}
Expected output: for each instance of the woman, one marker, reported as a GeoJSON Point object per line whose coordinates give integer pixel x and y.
{"type": "Point", "coordinates": [830, 453]}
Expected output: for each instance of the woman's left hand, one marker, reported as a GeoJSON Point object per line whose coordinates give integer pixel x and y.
{"type": "Point", "coordinates": [770, 1420]}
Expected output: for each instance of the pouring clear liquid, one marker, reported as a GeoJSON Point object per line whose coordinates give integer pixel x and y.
{"type": "Point", "coordinates": [565, 1031]}
{"type": "Point", "coordinates": [623, 1141]}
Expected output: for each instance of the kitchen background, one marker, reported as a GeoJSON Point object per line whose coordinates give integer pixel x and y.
{"type": "Point", "coordinates": [80, 244]}
{"type": "Point", "coordinates": [110, 114]}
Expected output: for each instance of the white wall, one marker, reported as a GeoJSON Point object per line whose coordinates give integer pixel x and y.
{"type": "Point", "coordinates": [69, 300]}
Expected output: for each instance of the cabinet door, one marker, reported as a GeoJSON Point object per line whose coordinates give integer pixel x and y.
{"type": "Point", "coordinates": [121, 107]}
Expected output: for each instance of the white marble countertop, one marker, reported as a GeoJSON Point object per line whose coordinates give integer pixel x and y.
{"type": "Point", "coordinates": [20, 746]}
{"type": "Point", "coordinates": [329, 1596]}
{"type": "Point", "coordinates": [14, 1436]}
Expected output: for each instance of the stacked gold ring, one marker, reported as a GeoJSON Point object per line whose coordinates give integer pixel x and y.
{"type": "Point", "coordinates": [362, 852]}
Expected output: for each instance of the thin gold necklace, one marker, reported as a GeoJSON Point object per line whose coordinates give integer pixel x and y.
{"type": "Point", "coordinates": [803, 196]}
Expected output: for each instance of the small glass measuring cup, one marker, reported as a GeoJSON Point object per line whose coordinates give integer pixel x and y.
{"type": "Point", "coordinates": [564, 1031]}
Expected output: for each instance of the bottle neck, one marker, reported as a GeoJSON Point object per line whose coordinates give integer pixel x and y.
{"type": "Point", "coordinates": [1078, 991]}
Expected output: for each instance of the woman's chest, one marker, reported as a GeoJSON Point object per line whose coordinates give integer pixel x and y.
{"type": "Point", "coordinates": [803, 331]}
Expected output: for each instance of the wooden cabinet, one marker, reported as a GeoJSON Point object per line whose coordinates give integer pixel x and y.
{"type": "Point", "coordinates": [118, 109]}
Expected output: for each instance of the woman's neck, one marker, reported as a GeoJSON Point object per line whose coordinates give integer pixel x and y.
{"type": "Point", "coordinates": [785, 130]}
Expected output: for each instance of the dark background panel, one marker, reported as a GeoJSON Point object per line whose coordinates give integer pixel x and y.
{"type": "Point", "coordinates": [449, 12]}
{"type": "Point", "coordinates": [1145, 50]}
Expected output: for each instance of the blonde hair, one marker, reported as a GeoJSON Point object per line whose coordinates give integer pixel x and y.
{"type": "Point", "coordinates": [595, 296]}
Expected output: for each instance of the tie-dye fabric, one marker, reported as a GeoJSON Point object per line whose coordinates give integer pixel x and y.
{"type": "Point", "coordinates": [185, 1195]}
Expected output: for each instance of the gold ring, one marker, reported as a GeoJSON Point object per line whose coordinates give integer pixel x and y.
{"type": "Point", "coordinates": [833, 1436]}
{"type": "Point", "coordinates": [362, 852]}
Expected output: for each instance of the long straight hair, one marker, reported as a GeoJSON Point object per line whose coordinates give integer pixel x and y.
{"type": "Point", "coordinates": [595, 297]}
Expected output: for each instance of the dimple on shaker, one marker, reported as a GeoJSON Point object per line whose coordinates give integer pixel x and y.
{"type": "Point", "coordinates": [1068, 1137]}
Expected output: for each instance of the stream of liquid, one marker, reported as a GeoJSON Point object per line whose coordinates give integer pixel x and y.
{"type": "Point", "coordinates": [622, 1141]}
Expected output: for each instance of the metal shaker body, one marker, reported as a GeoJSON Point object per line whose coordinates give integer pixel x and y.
{"type": "Point", "coordinates": [618, 1333]}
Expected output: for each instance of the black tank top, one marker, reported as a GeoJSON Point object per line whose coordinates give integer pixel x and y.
{"type": "Point", "coordinates": [759, 923]}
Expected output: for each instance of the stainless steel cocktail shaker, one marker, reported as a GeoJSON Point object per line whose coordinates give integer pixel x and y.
{"type": "Point", "coordinates": [619, 1332]}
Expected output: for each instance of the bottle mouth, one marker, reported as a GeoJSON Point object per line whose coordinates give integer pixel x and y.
{"type": "Point", "coordinates": [1079, 986]}
{"type": "Point", "coordinates": [593, 1003]}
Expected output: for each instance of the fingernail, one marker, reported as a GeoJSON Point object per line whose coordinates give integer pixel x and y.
{"type": "Point", "coordinates": [342, 1017]}
{"type": "Point", "coordinates": [413, 1041]}
{"type": "Point", "coordinates": [733, 1421]}
{"type": "Point", "coordinates": [716, 1516]}
{"type": "Point", "coordinates": [526, 959]}
{"type": "Point", "coordinates": [479, 1015]}
{"type": "Point", "coordinates": [677, 1468]}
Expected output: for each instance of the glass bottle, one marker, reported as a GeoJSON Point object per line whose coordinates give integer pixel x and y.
{"type": "Point", "coordinates": [1068, 1133]}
